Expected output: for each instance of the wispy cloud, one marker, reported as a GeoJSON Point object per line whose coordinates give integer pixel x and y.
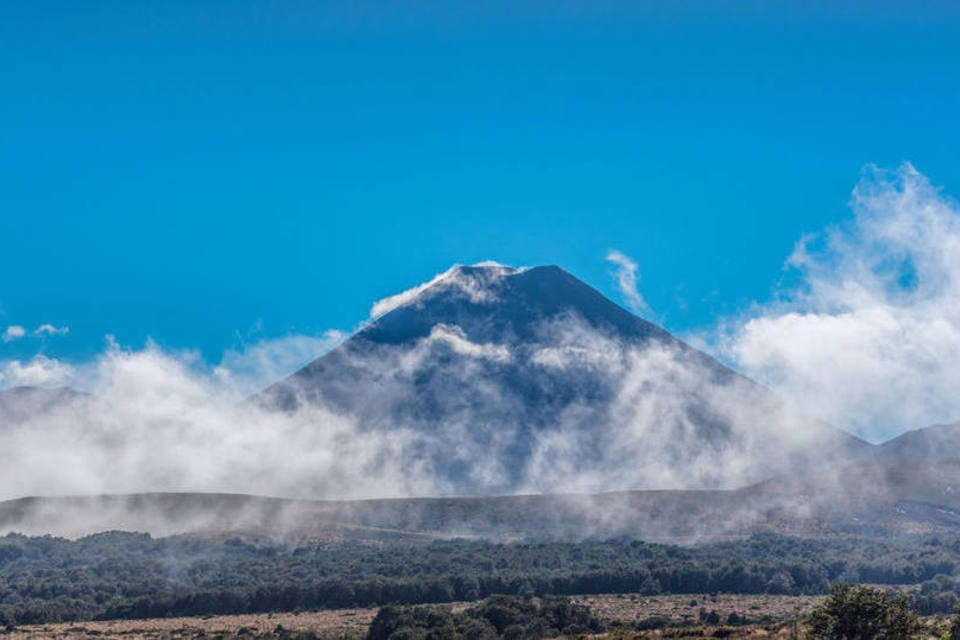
{"type": "Point", "coordinates": [13, 332]}
{"type": "Point", "coordinates": [474, 285]}
{"type": "Point", "coordinates": [252, 366]}
{"type": "Point", "coordinates": [626, 278]}
{"type": "Point", "coordinates": [453, 337]}
{"type": "Point", "coordinates": [50, 330]}
{"type": "Point", "coordinates": [870, 338]}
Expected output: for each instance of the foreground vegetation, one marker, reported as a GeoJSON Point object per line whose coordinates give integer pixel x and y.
{"type": "Point", "coordinates": [498, 618]}
{"type": "Point", "coordinates": [851, 613]}
{"type": "Point", "coordinates": [128, 576]}
{"type": "Point", "coordinates": [863, 613]}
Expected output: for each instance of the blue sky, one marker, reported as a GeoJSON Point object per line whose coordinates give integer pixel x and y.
{"type": "Point", "coordinates": [193, 172]}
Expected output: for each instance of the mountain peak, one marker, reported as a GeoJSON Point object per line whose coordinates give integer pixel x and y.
{"type": "Point", "coordinates": [472, 280]}
{"type": "Point", "coordinates": [488, 368]}
{"type": "Point", "coordinates": [936, 441]}
{"type": "Point", "coordinates": [491, 302]}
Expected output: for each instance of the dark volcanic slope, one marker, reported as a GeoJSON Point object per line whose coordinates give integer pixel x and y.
{"type": "Point", "coordinates": [503, 373]}
{"type": "Point", "coordinates": [490, 305]}
{"type": "Point", "coordinates": [507, 306]}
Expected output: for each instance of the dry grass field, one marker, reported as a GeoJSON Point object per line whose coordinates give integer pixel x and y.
{"type": "Point", "coordinates": [339, 623]}
{"type": "Point", "coordinates": [771, 617]}
{"type": "Point", "coordinates": [686, 608]}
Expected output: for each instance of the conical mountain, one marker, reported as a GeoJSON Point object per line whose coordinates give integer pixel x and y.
{"type": "Point", "coordinates": [497, 379]}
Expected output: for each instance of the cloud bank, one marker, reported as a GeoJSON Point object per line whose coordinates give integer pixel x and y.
{"type": "Point", "coordinates": [619, 416]}
{"type": "Point", "coordinates": [870, 338]}
{"type": "Point", "coordinates": [153, 422]}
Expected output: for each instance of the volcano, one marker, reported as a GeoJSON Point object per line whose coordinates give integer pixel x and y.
{"type": "Point", "coordinates": [504, 380]}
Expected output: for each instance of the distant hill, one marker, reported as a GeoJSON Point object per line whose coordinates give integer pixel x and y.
{"type": "Point", "coordinates": [873, 499]}
{"type": "Point", "coordinates": [501, 373]}
{"type": "Point", "coordinates": [940, 441]}
{"type": "Point", "coordinates": [18, 404]}
{"type": "Point", "coordinates": [554, 413]}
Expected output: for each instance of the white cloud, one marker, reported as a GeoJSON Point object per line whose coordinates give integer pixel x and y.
{"type": "Point", "coordinates": [478, 286]}
{"type": "Point", "coordinates": [161, 421]}
{"type": "Point", "coordinates": [671, 422]}
{"type": "Point", "coordinates": [454, 337]}
{"type": "Point", "coordinates": [154, 421]}
{"type": "Point", "coordinates": [626, 277]}
{"type": "Point", "coordinates": [569, 343]}
{"type": "Point", "coordinates": [252, 367]}
{"type": "Point", "coordinates": [870, 340]}
{"type": "Point", "coordinates": [13, 332]}
{"type": "Point", "coordinates": [47, 329]}
{"type": "Point", "coordinates": [39, 371]}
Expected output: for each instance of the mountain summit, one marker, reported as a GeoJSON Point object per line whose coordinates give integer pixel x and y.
{"type": "Point", "coordinates": [497, 303]}
{"type": "Point", "coordinates": [500, 379]}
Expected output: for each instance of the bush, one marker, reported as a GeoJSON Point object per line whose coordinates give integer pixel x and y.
{"type": "Point", "coordinates": [862, 613]}
{"type": "Point", "coordinates": [653, 622]}
{"type": "Point", "coordinates": [506, 617]}
{"type": "Point", "coordinates": [955, 627]}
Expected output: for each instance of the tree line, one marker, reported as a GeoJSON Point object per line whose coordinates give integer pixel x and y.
{"type": "Point", "coordinates": [126, 575]}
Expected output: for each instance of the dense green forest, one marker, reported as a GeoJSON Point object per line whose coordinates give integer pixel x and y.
{"type": "Point", "coordinates": [127, 575]}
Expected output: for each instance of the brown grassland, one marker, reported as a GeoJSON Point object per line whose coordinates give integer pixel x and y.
{"type": "Point", "coordinates": [771, 617]}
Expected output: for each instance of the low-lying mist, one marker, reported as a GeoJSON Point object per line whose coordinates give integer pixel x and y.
{"type": "Point", "coordinates": [153, 421]}
{"type": "Point", "coordinates": [868, 340]}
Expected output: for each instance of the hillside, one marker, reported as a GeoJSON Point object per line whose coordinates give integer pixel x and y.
{"type": "Point", "coordinates": [878, 499]}
{"type": "Point", "coordinates": [940, 441]}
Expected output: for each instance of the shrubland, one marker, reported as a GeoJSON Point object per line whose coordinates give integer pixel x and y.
{"type": "Point", "coordinates": [123, 575]}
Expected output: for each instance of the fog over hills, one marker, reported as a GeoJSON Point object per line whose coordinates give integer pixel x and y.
{"type": "Point", "coordinates": [941, 441]}
{"type": "Point", "coordinates": [19, 404]}
{"type": "Point", "coordinates": [885, 499]}
{"type": "Point", "coordinates": [523, 401]}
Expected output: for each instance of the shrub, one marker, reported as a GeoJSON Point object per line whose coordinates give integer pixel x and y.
{"type": "Point", "coordinates": [653, 622]}
{"type": "Point", "coordinates": [862, 613]}
{"type": "Point", "coordinates": [506, 617]}
{"type": "Point", "coordinates": [955, 627]}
